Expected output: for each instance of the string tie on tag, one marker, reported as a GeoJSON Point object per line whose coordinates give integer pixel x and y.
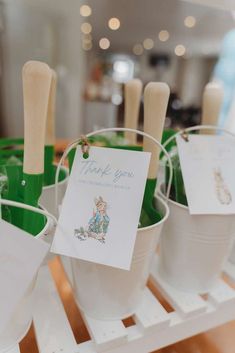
{"type": "Point", "coordinates": [184, 136]}
{"type": "Point", "coordinates": [85, 146]}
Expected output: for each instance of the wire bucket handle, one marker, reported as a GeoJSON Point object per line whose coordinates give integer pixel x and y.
{"type": "Point", "coordinates": [76, 142]}
{"type": "Point", "coordinates": [196, 128]}
{"type": "Point", "coordinates": [29, 208]}
{"type": "Point", "coordinates": [184, 134]}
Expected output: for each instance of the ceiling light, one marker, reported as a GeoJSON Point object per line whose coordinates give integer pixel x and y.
{"type": "Point", "coordinates": [148, 43]}
{"type": "Point", "coordinates": [86, 28]}
{"type": "Point", "coordinates": [85, 10]}
{"type": "Point", "coordinates": [180, 50]}
{"type": "Point", "coordinates": [138, 49]}
{"type": "Point", "coordinates": [87, 45]}
{"type": "Point", "coordinates": [163, 35]}
{"type": "Point", "coordinates": [189, 21]}
{"type": "Point", "coordinates": [114, 23]}
{"type": "Point", "coordinates": [104, 43]}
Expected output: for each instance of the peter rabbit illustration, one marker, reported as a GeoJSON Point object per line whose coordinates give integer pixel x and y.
{"type": "Point", "coordinates": [98, 224]}
{"type": "Point", "coordinates": [222, 192]}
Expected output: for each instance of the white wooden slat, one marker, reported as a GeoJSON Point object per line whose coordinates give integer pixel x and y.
{"type": "Point", "coordinates": [186, 304]}
{"type": "Point", "coordinates": [179, 329]}
{"type": "Point", "coordinates": [229, 270]}
{"type": "Point", "coordinates": [52, 328]}
{"type": "Point", "coordinates": [15, 349]}
{"type": "Point", "coordinates": [151, 314]}
{"type": "Point", "coordinates": [106, 334]}
{"type": "Point", "coordinates": [221, 294]}
{"type": "Point", "coordinates": [54, 333]}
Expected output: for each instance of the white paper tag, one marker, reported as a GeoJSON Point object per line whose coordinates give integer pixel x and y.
{"type": "Point", "coordinates": [20, 257]}
{"type": "Point", "coordinates": [101, 208]}
{"type": "Point", "coordinates": [208, 168]}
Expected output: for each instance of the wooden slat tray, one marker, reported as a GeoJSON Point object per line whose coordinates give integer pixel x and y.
{"type": "Point", "coordinates": [153, 327]}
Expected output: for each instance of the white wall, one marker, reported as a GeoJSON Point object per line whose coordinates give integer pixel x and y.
{"type": "Point", "coordinates": [47, 31]}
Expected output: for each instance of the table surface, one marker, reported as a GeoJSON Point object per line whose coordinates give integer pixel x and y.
{"type": "Point", "coordinates": [218, 340]}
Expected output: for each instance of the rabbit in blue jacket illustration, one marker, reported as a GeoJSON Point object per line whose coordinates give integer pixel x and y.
{"type": "Point", "coordinates": [98, 223]}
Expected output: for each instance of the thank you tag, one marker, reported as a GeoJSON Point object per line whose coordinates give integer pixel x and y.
{"type": "Point", "coordinates": [20, 257]}
{"type": "Point", "coordinates": [101, 208]}
{"type": "Point", "coordinates": [208, 168]}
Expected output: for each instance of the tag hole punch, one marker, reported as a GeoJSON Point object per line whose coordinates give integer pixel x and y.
{"type": "Point", "coordinates": [85, 155]}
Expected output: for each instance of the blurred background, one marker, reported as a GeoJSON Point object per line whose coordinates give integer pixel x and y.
{"type": "Point", "coordinates": [95, 46]}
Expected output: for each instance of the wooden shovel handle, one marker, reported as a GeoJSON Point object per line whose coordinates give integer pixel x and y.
{"type": "Point", "coordinates": [36, 87]}
{"type": "Point", "coordinates": [50, 125]}
{"type": "Point", "coordinates": [133, 91]}
{"type": "Point", "coordinates": [156, 96]}
{"type": "Point", "coordinates": [211, 105]}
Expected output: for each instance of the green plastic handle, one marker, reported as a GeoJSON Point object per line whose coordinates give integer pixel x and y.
{"type": "Point", "coordinates": [48, 165]}
{"type": "Point", "coordinates": [31, 190]}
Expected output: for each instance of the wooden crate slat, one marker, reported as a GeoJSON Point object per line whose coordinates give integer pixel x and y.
{"type": "Point", "coordinates": [54, 333]}
{"type": "Point", "coordinates": [52, 328]}
{"type": "Point", "coordinates": [106, 334]}
{"type": "Point", "coordinates": [221, 294]}
{"type": "Point", "coordinates": [151, 314]}
{"type": "Point", "coordinates": [185, 303]}
{"type": "Point", "coordinates": [179, 329]}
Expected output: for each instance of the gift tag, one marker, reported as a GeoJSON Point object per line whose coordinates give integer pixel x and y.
{"type": "Point", "coordinates": [101, 208]}
{"type": "Point", "coordinates": [208, 168]}
{"type": "Point", "coordinates": [20, 257]}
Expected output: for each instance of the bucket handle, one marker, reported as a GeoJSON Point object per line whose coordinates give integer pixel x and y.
{"type": "Point", "coordinates": [195, 128]}
{"type": "Point", "coordinates": [184, 132]}
{"type": "Point", "coordinates": [28, 207]}
{"type": "Point", "coordinates": [76, 142]}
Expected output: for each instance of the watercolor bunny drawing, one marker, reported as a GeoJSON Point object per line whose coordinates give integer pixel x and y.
{"type": "Point", "coordinates": [98, 224]}
{"type": "Point", "coordinates": [222, 192]}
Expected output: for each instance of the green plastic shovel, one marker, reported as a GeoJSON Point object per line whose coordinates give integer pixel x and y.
{"type": "Point", "coordinates": [36, 88]}
{"type": "Point", "coordinates": [133, 92]}
{"type": "Point", "coordinates": [132, 97]}
{"type": "Point", "coordinates": [211, 106]}
{"type": "Point", "coordinates": [49, 175]}
{"type": "Point", "coordinates": [156, 96]}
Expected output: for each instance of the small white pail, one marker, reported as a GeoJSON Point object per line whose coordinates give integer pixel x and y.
{"type": "Point", "coordinates": [21, 320]}
{"type": "Point", "coordinates": [47, 198]}
{"type": "Point", "coordinates": [232, 253]}
{"type": "Point", "coordinates": [194, 248]}
{"type": "Point", "coordinates": [108, 293]}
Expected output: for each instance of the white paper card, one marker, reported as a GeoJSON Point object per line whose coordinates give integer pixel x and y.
{"type": "Point", "coordinates": [20, 257]}
{"type": "Point", "coordinates": [101, 208]}
{"type": "Point", "coordinates": [208, 168]}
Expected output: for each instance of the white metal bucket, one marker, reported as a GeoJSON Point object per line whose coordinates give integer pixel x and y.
{"type": "Point", "coordinates": [208, 127]}
{"type": "Point", "coordinates": [232, 254]}
{"type": "Point", "coordinates": [108, 293]}
{"type": "Point", "coordinates": [20, 321]}
{"type": "Point", "coordinates": [193, 249]}
{"type": "Point", "coordinates": [47, 198]}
